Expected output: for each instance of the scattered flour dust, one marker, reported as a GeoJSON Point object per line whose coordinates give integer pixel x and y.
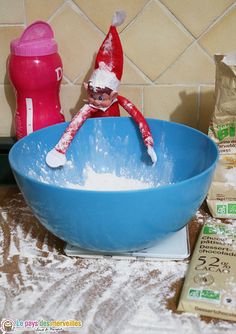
{"type": "Point", "coordinates": [230, 176]}
{"type": "Point", "coordinates": [109, 296]}
{"type": "Point", "coordinates": [108, 181]}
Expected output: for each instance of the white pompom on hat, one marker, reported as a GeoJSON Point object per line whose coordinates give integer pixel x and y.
{"type": "Point", "coordinates": [109, 61]}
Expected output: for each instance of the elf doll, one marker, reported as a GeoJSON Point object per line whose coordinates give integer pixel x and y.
{"type": "Point", "coordinates": [103, 99]}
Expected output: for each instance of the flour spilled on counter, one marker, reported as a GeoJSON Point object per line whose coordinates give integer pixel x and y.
{"type": "Point", "coordinates": [108, 181]}
{"type": "Point", "coordinates": [109, 296]}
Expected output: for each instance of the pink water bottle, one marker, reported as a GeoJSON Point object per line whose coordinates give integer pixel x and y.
{"type": "Point", "coordinates": [35, 70]}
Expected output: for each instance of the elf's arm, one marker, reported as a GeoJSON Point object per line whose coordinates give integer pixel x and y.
{"type": "Point", "coordinates": [57, 156]}
{"type": "Point", "coordinates": [142, 124]}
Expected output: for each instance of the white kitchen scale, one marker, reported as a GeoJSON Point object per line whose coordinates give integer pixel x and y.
{"type": "Point", "coordinates": [173, 247]}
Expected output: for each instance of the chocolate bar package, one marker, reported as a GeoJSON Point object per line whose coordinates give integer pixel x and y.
{"type": "Point", "coordinates": [210, 285]}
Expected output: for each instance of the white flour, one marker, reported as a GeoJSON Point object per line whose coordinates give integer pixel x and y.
{"type": "Point", "coordinates": [90, 179]}
{"type": "Point", "coordinates": [230, 176]}
{"type": "Point", "coordinates": [101, 172]}
{"type": "Point", "coordinates": [108, 181]}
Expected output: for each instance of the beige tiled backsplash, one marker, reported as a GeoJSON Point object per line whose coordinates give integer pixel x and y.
{"type": "Point", "coordinates": [168, 46]}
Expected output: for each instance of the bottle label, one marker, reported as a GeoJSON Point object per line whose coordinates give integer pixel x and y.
{"type": "Point", "coordinates": [59, 73]}
{"type": "Point", "coordinates": [29, 115]}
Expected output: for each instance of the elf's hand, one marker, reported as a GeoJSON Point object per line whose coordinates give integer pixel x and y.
{"type": "Point", "coordinates": [55, 158]}
{"type": "Point", "coordinates": [152, 154]}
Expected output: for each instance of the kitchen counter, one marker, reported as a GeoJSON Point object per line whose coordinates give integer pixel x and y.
{"type": "Point", "coordinates": [39, 282]}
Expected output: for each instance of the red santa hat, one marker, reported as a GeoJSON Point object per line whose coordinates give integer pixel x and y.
{"type": "Point", "coordinates": [109, 61]}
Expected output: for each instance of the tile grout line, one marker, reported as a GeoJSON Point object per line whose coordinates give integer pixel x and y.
{"type": "Point", "coordinates": [79, 11]}
{"type": "Point", "coordinates": [136, 17]}
{"type": "Point", "coordinates": [181, 54]}
{"type": "Point", "coordinates": [25, 16]}
{"type": "Point", "coordinates": [175, 20]}
{"type": "Point", "coordinates": [75, 8]}
{"type": "Point", "coordinates": [174, 62]}
{"type": "Point", "coordinates": [205, 51]}
{"type": "Point", "coordinates": [170, 85]}
{"type": "Point", "coordinates": [198, 101]}
{"type": "Point", "coordinates": [81, 75]}
{"type": "Point", "coordinates": [142, 85]}
{"type": "Point", "coordinates": [69, 83]}
{"type": "Point", "coordinates": [57, 11]}
{"type": "Point", "coordinates": [217, 20]}
{"type": "Point", "coordinates": [178, 24]}
{"type": "Point", "coordinates": [213, 23]}
{"type": "Point", "coordinates": [141, 73]}
{"type": "Point", "coordinates": [196, 39]}
{"type": "Point", "coordinates": [6, 25]}
{"type": "Point", "coordinates": [142, 100]}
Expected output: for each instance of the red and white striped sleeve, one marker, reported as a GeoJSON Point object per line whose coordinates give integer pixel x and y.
{"type": "Point", "coordinates": [57, 156]}
{"type": "Point", "coordinates": [139, 119]}
{"type": "Point", "coordinates": [142, 124]}
{"type": "Point", "coordinates": [70, 132]}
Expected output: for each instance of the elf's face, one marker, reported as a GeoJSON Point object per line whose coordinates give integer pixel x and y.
{"type": "Point", "coordinates": [100, 98]}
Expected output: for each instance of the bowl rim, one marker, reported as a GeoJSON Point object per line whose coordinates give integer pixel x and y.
{"type": "Point", "coordinates": [127, 191]}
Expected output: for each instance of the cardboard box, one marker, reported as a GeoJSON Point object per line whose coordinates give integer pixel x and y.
{"type": "Point", "coordinates": [210, 284]}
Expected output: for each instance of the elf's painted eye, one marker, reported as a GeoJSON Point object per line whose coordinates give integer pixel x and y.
{"type": "Point", "coordinates": [100, 97]}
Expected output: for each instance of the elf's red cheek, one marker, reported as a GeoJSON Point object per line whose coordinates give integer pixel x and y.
{"type": "Point", "coordinates": [105, 103]}
{"type": "Point", "coordinates": [91, 100]}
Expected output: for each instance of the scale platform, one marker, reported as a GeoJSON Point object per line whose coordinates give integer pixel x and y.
{"type": "Point", "coordinates": [173, 247]}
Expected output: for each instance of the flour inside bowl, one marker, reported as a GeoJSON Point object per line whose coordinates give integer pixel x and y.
{"type": "Point", "coordinates": [108, 181]}
{"type": "Point", "coordinates": [103, 169]}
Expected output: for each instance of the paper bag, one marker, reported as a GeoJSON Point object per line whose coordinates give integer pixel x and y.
{"type": "Point", "coordinates": [221, 198]}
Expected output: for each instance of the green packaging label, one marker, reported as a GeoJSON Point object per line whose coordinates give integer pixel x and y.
{"type": "Point", "coordinates": [232, 208]}
{"type": "Point", "coordinates": [226, 209]}
{"type": "Point", "coordinates": [220, 230]}
{"type": "Point", "coordinates": [210, 229]}
{"type": "Point", "coordinates": [204, 295]}
{"type": "Point", "coordinates": [221, 209]}
{"type": "Point", "coordinates": [226, 130]}
{"type": "Point", "coordinates": [210, 295]}
{"type": "Point", "coordinates": [194, 293]}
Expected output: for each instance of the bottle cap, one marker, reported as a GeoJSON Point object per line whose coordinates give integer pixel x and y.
{"type": "Point", "coordinates": [36, 40]}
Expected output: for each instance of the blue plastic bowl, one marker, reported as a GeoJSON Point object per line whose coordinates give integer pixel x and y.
{"type": "Point", "coordinates": [116, 220]}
